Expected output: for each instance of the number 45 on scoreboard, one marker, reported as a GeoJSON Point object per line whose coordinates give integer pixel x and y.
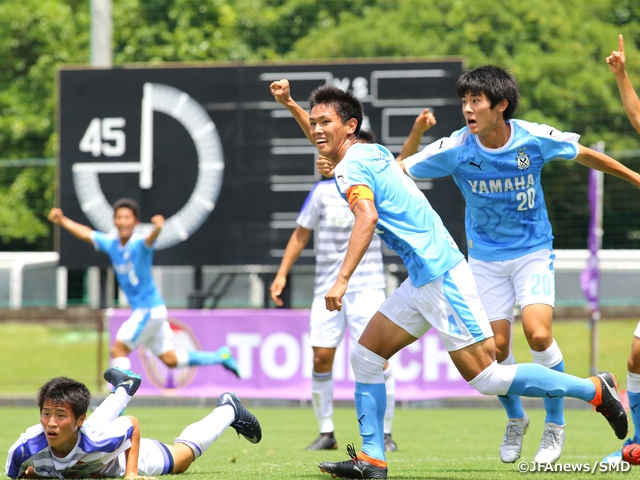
{"type": "Point", "coordinates": [100, 132]}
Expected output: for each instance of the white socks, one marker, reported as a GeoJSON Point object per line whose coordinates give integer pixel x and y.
{"type": "Point", "coordinates": [110, 408]}
{"type": "Point", "coordinates": [182, 358]}
{"type": "Point", "coordinates": [367, 366]}
{"type": "Point", "coordinates": [322, 400]}
{"type": "Point", "coordinates": [495, 379]}
{"type": "Point", "coordinates": [390, 384]}
{"type": "Point", "coordinates": [200, 435]}
{"type": "Point", "coordinates": [123, 363]}
{"type": "Point", "coordinates": [551, 357]}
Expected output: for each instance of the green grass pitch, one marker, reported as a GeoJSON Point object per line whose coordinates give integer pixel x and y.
{"type": "Point", "coordinates": [433, 443]}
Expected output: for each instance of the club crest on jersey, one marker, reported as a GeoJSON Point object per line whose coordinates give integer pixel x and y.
{"type": "Point", "coordinates": [522, 159]}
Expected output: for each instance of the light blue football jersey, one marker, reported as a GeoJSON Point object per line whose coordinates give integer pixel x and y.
{"type": "Point", "coordinates": [505, 216]}
{"type": "Point", "coordinates": [407, 223]}
{"type": "Point", "coordinates": [132, 266]}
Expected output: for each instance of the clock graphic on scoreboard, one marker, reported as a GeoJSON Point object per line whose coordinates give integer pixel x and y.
{"type": "Point", "coordinates": [142, 134]}
{"type": "Point", "coordinates": [209, 158]}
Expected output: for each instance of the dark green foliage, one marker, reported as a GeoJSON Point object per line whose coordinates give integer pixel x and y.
{"type": "Point", "coordinates": [556, 49]}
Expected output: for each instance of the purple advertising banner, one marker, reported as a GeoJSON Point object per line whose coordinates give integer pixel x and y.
{"type": "Point", "coordinates": [276, 360]}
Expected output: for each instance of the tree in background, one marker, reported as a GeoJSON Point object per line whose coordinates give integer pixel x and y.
{"type": "Point", "coordinates": [35, 37]}
{"type": "Point", "coordinates": [556, 50]}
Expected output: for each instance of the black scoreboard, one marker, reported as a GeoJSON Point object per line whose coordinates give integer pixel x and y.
{"type": "Point", "coordinates": [210, 149]}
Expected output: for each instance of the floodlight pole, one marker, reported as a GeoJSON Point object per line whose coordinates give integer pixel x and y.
{"type": "Point", "coordinates": [101, 33]}
{"type": "Point", "coordinates": [101, 56]}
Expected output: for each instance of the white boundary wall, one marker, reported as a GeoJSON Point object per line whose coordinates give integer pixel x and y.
{"type": "Point", "coordinates": [25, 275]}
{"type": "Point", "coordinates": [18, 263]}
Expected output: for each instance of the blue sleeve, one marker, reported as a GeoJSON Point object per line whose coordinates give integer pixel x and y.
{"type": "Point", "coordinates": [358, 174]}
{"type": "Point", "coordinates": [551, 148]}
{"type": "Point", "coordinates": [101, 241]}
{"type": "Point", "coordinates": [552, 142]}
{"type": "Point", "coordinates": [438, 159]}
{"type": "Point", "coordinates": [22, 450]}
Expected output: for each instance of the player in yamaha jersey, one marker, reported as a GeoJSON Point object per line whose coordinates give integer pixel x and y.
{"type": "Point", "coordinates": [496, 161]}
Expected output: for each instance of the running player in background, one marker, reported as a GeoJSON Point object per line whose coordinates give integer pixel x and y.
{"type": "Point", "coordinates": [68, 444]}
{"type": "Point", "coordinates": [496, 161]}
{"type": "Point", "coordinates": [325, 210]}
{"type": "Point", "coordinates": [131, 255]}
{"type": "Point", "coordinates": [630, 451]}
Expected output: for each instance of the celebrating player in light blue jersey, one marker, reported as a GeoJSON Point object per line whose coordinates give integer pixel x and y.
{"type": "Point", "coordinates": [131, 255]}
{"type": "Point", "coordinates": [630, 451]}
{"type": "Point", "coordinates": [327, 212]}
{"type": "Point", "coordinates": [496, 161]}
{"type": "Point", "coordinates": [440, 291]}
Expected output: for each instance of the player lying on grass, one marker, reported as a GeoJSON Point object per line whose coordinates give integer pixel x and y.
{"type": "Point", "coordinates": [440, 291]}
{"type": "Point", "coordinates": [132, 255]}
{"type": "Point", "coordinates": [68, 444]}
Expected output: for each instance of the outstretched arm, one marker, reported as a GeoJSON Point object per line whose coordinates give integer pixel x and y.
{"type": "Point", "coordinates": [78, 230]}
{"type": "Point", "coordinates": [158, 223]}
{"type": "Point", "coordinates": [298, 240]}
{"type": "Point", "coordinates": [422, 123]}
{"type": "Point", "coordinates": [630, 102]}
{"type": "Point", "coordinates": [600, 161]}
{"type": "Point", "coordinates": [282, 93]}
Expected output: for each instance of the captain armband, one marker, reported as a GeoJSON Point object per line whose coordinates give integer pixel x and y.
{"type": "Point", "coordinates": [357, 193]}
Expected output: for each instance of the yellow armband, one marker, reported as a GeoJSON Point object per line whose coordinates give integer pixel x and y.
{"type": "Point", "coordinates": [357, 193]}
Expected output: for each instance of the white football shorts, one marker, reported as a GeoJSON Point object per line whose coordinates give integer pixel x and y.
{"type": "Point", "coordinates": [526, 280]}
{"type": "Point", "coordinates": [326, 328]}
{"type": "Point", "coordinates": [450, 304]}
{"type": "Point", "coordinates": [154, 459]}
{"type": "Point", "coordinates": [148, 327]}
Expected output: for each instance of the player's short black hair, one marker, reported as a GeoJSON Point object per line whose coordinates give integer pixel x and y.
{"type": "Point", "coordinates": [367, 136]}
{"type": "Point", "coordinates": [346, 105]}
{"type": "Point", "coordinates": [126, 203]}
{"type": "Point", "coordinates": [495, 82]}
{"type": "Point", "coordinates": [65, 390]}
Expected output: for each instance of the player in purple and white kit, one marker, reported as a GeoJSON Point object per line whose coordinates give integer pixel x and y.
{"type": "Point", "coordinates": [496, 161]}
{"type": "Point", "coordinates": [131, 255]}
{"type": "Point", "coordinates": [68, 444]}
